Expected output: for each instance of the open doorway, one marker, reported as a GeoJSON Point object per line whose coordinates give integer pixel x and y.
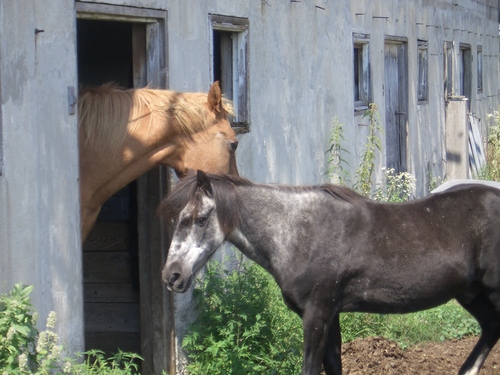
{"type": "Point", "coordinates": [110, 253]}
{"type": "Point", "coordinates": [126, 306]}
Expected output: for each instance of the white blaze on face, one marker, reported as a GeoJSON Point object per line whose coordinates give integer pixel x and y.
{"type": "Point", "coordinates": [197, 235]}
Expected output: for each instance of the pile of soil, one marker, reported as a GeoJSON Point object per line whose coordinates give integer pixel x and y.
{"type": "Point", "coordinates": [376, 355]}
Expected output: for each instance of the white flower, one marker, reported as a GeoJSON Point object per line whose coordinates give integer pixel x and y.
{"type": "Point", "coordinates": [34, 318]}
{"type": "Point", "coordinates": [23, 362]}
{"type": "Point", "coordinates": [67, 367]}
{"type": "Point", "coordinates": [51, 320]}
{"type": "Point", "coordinates": [10, 333]}
{"type": "Point", "coordinates": [43, 342]}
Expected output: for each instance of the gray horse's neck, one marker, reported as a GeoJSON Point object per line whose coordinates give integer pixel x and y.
{"type": "Point", "coordinates": [276, 222]}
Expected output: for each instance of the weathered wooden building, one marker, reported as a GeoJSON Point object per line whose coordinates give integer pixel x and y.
{"type": "Point", "coordinates": [290, 66]}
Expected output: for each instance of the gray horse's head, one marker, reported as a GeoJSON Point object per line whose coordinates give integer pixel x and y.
{"type": "Point", "coordinates": [199, 229]}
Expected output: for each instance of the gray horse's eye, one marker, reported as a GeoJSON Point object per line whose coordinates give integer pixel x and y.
{"type": "Point", "coordinates": [201, 221]}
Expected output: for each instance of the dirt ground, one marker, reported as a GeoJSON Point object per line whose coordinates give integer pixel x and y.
{"type": "Point", "coordinates": [376, 355]}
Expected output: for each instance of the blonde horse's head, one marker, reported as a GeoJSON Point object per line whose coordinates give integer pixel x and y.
{"type": "Point", "coordinates": [213, 148]}
{"type": "Point", "coordinates": [125, 133]}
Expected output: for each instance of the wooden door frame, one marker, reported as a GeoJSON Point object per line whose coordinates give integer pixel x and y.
{"type": "Point", "coordinates": [149, 44]}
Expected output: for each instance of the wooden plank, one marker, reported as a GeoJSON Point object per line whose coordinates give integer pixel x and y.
{"type": "Point", "coordinates": [111, 292]}
{"type": "Point", "coordinates": [112, 317]}
{"type": "Point", "coordinates": [156, 303]}
{"type": "Point", "coordinates": [139, 65]}
{"type": "Point", "coordinates": [477, 158]}
{"type": "Point", "coordinates": [107, 267]}
{"type": "Point", "coordinates": [157, 306]}
{"type": "Point", "coordinates": [118, 13]}
{"type": "Point", "coordinates": [111, 236]}
{"type": "Point", "coordinates": [110, 343]}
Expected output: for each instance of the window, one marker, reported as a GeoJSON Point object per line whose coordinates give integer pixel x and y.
{"type": "Point", "coordinates": [465, 72]}
{"type": "Point", "coordinates": [229, 45]}
{"type": "Point", "coordinates": [361, 68]}
{"type": "Point", "coordinates": [448, 69]}
{"type": "Point", "coordinates": [479, 69]}
{"type": "Point", "coordinates": [423, 64]}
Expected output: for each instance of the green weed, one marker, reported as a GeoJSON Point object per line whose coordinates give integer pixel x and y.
{"type": "Point", "coordinates": [337, 167]}
{"type": "Point", "coordinates": [243, 326]}
{"type": "Point", "coordinates": [491, 171]}
{"type": "Point", "coordinates": [366, 167]}
{"type": "Point", "coordinates": [25, 351]}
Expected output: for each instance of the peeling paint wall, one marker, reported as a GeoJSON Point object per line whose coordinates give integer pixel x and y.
{"type": "Point", "coordinates": [39, 210]}
{"type": "Point", "coordinates": [300, 69]}
{"type": "Point", "coordinates": [301, 74]}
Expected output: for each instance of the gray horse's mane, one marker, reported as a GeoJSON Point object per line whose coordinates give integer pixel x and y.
{"type": "Point", "coordinates": [224, 188]}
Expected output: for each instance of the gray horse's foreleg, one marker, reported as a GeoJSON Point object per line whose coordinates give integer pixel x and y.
{"type": "Point", "coordinates": [315, 338]}
{"type": "Point", "coordinates": [478, 355]}
{"type": "Point", "coordinates": [486, 313]}
{"type": "Point", "coordinates": [332, 362]}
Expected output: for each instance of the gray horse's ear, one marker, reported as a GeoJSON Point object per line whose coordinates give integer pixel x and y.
{"type": "Point", "coordinates": [204, 183]}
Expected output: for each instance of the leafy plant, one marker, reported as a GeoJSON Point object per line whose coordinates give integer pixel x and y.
{"type": "Point", "coordinates": [367, 165]}
{"type": "Point", "coordinates": [96, 363]}
{"type": "Point", "coordinates": [398, 187]}
{"type": "Point", "coordinates": [23, 350]}
{"type": "Point", "coordinates": [491, 171]}
{"type": "Point", "coordinates": [243, 326]}
{"type": "Point", "coordinates": [17, 329]}
{"type": "Point", "coordinates": [432, 181]}
{"type": "Point", "coordinates": [337, 167]}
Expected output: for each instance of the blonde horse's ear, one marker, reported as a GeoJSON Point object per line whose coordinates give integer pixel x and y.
{"type": "Point", "coordinates": [215, 97]}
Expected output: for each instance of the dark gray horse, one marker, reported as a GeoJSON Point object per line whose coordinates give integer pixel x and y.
{"type": "Point", "coordinates": [331, 250]}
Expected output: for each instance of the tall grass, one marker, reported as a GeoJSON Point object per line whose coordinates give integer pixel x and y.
{"type": "Point", "coordinates": [448, 321]}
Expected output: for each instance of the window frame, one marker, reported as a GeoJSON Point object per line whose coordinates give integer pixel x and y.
{"type": "Point", "coordinates": [238, 30]}
{"type": "Point", "coordinates": [423, 72]}
{"type": "Point", "coordinates": [361, 72]}
{"type": "Point", "coordinates": [448, 70]}
{"type": "Point", "coordinates": [479, 69]}
{"type": "Point", "coordinates": [465, 71]}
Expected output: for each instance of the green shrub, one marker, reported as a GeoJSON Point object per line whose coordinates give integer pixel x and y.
{"type": "Point", "coordinates": [337, 168]}
{"type": "Point", "coordinates": [491, 171]}
{"type": "Point", "coordinates": [17, 329]}
{"type": "Point", "coordinates": [23, 350]}
{"type": "Point", "coordinates": [366, 166]}
{"type": "Point", "coordinates": [398, 187]}
{"type": "Point", "coordinates": [243, 325]}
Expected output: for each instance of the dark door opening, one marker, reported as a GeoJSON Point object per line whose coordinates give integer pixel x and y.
{"type": "Point", "coordinates": [110, 253]}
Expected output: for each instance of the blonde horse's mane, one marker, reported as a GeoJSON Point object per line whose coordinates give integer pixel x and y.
{"type": "Point", "coordinates": [107, 112]}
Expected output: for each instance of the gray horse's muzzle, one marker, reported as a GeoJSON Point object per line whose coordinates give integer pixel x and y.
{"type": "Point", "coordinates": [175, 279]}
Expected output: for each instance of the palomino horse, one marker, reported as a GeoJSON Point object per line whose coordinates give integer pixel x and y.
{"type": "Point", "coordinates": [331, 250]}
{"type": "Point", "coordinates": [125, 133]}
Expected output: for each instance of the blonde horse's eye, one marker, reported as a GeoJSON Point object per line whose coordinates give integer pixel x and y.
{"type": "Point", "coordinates": [233, 146]}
